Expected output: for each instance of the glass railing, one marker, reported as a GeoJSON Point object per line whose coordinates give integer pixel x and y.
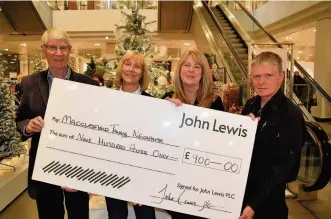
{"type": "Point", "coordinates": [102, 5]}
{"type": "Point", "coordinates": [249, 5]}
{"type": "Point", "coordinates": [316, 161]}
{"type": "Point", "coordinates": [308, 95]}
{"type": "Point", "coordinates": [312, 97]}
{"type": "Point", "coordinates": [315, 169]}
{"type": "Point", "coordinates": [310, 161]}
{"type": "Point", "coordinates": [224, 50]}
{"type": "Point", "coordinates": [244, 24]}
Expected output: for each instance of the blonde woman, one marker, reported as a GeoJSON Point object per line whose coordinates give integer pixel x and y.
{"type": "Point", "coordinates": [131, 76]}
{"type": "Point", "coordinates": [193, 82]}
{"type": "Point", "coordinates": [193, 85]}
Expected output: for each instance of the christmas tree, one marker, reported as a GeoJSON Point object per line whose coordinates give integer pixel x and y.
{"type": "Point", "coordinates": [135, 38]}
{"type": "Point", "coordinates": [10, 144]}
{"type": "Point", "coordinates": [91, 68]}
{"type": "Point", "coordinates": [73, 64]}
{"type": "Point", "coordinates": [38, 65]}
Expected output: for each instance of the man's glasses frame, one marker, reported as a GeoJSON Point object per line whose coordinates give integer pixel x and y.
{"type": "Point", "coordinates": [53, 48]}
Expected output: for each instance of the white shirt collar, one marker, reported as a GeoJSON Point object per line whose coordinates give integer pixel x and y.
{"type": "Point", "coordinates": [138, 91]}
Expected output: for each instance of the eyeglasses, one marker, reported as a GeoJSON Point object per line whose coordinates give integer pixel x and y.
{"type": "Point", "coordinates": [54, 48]}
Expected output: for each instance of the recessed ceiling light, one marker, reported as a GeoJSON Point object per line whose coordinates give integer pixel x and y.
{"type": "Point", "coordinates": [23, 44]}
{"type": "Point", "coordinates": [87, 54]}
{"type": "Point", "coordinates": [290, 38]}
{"type": "Point", "coordinates": [299, 52]}
{"type": "Point", "coordinates": [97, 44]}
{"type": "Point", "coordinates": [314, 30]}
{"type": "Point", "coordinates": [287, 38]}
{"type": "Point", "coordinates": [187, 44]}
{"type": "Point", "coordinates": [106, 38]}
{"type": "Point", "coordinates": [5, 49]}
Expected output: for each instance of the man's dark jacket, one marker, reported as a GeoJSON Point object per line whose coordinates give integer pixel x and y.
{"type": "Point", "coordinates": [276, 154]}
{"type": "Point", "coordinates": [33, 104]}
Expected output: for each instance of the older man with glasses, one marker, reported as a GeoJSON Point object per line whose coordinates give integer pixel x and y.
{"type": "Point", "coordinates": [56, 48]}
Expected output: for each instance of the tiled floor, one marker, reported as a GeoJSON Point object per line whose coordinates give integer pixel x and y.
{"type": "Point", "coordinates": [322, 206]}
{"type": "Point", "coordinates": [24, 208]}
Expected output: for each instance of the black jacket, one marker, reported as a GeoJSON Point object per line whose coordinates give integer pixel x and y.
{"type": "Point", "coordinates": [216, 105]}
{"type": "Point", "coordinates": [276, 154]}
{"type": "Point", "coordinates": [33, 103]}
{"type": "Point", "coordinates": [146, 94]}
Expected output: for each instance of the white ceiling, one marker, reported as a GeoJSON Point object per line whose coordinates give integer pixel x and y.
{"type": "Point", "coordinates": [304, 44]}
{"type": "Point", "coordinates": [88, 46]}
{"type": "Point", "coordinates": [301, 38]}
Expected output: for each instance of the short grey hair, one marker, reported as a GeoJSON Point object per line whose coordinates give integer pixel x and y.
{"type": "Point", "coordinates": [269, 58]}
{"type": "Point", "coordinates": [55, 33]}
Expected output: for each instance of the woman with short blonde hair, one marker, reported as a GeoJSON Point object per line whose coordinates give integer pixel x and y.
{"type": "Point", "coordinates": [133, 55]}
{"type": "Point", "coordinates": [131, 76]}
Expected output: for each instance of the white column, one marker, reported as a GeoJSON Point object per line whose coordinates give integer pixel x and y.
{"type": "Point", "coordinates": [23, 64]}
{"type": "Point", "coordinates": [322, 69]}
{"type": "Point", "coordinates": [81, 62]}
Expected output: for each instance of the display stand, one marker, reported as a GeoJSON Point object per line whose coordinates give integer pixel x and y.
{"type": "Point", "coordinates": [2, 164]}
{"type": "Point", "coordinates": [13, 183]}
